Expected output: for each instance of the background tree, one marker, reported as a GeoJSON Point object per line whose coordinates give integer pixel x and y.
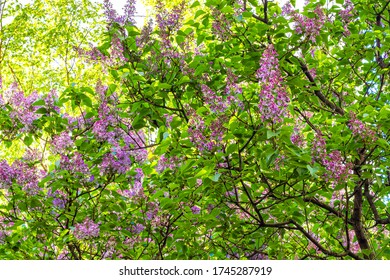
{"type": "Point", "coordinates": [44, 54]}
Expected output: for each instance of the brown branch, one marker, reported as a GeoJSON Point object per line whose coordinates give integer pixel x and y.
{"type": "Point", "coordinates": [259, 18]}
{"type": "Point", "coordinates": [317, 92]}
{"type": "Point", "coordinates": [326, 207]}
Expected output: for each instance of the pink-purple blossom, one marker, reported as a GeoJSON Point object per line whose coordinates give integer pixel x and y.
{"type": "Point", "coordinates": [359, 129]}
{"type": "Point", "coordinates": [87, 229]}
{"type": "Point", "coordinates": [310, 27]}
{"type": "Point", "coordinates": [195, 210]}
{"type": "Point", "coordinates": [337, 170]}
{"type": "Point", "coordinates": [112, 15]}
{"type": "Point", "coordinates": [62, 142]}
{"type": "Point", "coordinates": [273, 95]}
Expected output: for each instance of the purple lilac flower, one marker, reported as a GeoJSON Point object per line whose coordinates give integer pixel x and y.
{"type": "Point", "coordinates": [117, 161]}
{"type": "Point", "coordinates": [353, 243]}
{"type": "Point", "coordinates": [318, 147]}
{"type": "Point", "coordinates": [215, 102]}
{"type": "Point", "coordinates": [337, 170]}
{"type": "Point", "coordinates": [313, 72]}
{"type": "Point", "coordinates": [86, 229]}
{"type": "Point", "coordinates": [117, 51]}
{"type": "Point", "coordinates": [27, 177]}
{"type": "Point", "coordinates": [221, 25]}
{"type": "Point", "coordinates": [7, 174]}
{"type": "Point", "coordinates": [360, 129]}
{"type": "Point", "coordinates": [112, 15]}
{"type": "Point", "coordinates": [168, 119]}
{"type": "Point", "coordinates": [195, 210]}
{"type": "Point", "coordinates": [167, 163]}
{"type": "Point", "coordinates": [4, 225]}
{"type": "Point", "coordinates": [138, 228]}
{"type": "Point", "coordinates": [273, 96]}
{"type": "Point", "coordinates": [145, 37]}
{"type": "Point", "coordinates": [51, 99]}
{"type": "Point", "coordinates": [59, 198]}
{"type": "Point", "coordinates": [32, 155]}
{"type": "Point", "coordinates": [62, 142]}
{"type": "Point", "coordinates": [347, 13]}
{"type": "Point", "coordinates": [310, 27]}
{"type": "Point", "coordinates": [23, 111]}
{"type": "Point", "coordinates": [297, 137]}
{"type": "Point", "coordinates": [135, 141]}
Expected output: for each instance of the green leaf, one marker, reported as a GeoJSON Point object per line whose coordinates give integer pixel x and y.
{"type": "Point", "coordinates": [312, 171]}
{"type": "Point", "coordinates": [41, 111]}
{"type": "Point", "coordinates": [271, 134]}
{"type": "Point", "coordinates": [216, 176]}
{"type": "Point", "coordinates": [39, 103]}
{"type": "Point", "coordinates": [28, 140]}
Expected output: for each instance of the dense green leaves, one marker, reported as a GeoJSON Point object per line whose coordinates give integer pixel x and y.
{"type": "Point", "coordinates": [240, 132]}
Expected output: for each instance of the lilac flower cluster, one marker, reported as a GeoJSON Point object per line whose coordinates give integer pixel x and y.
{"type": "Point", "coordinates": [167, 163]}
{"type": "Point", "coordinates": [215, 101]}
{"type": "Point", "coordinates": [337, 170]}
{"type": "Point", "coordinates": [239, 7]}
{"type": "Point", "coordinates": [273, 96]}
{"type": "Point", "coordinates": [310, 27]}
{"type": "Point", "coordinates": [23, 111]}
{"type": "Point", "coordinates": [59, 198]}
{"type": "Point", "coordinates": [360, 129]}
{"type": "Point", "coordinates": [135, 143]}
{"type": "Point", "coordinates": [50, 100]}
{"type": "Point", "coordinates": [75, 164]}
{"type": "Point", "coordinates": [297, 139]}
{"type": "Point", "coordinates": [117, 161]}
{"type": "Point", "coordinates": [112, 15]}
{"type": "Point", "coordinates": [101, 91]}
{"type": "Point", "coordinates": [198, 130]}
{"type": "Point", "coordinates": [137, 190]}
{"type": "Point", "coordinates": [93, 54]}
{"type": "Point", "coordinates": [7, 174]}
{"type": "Point", "coordinates": [87, 229]}
{"type": "Point", "coordinates": [138, 228]}
{"type": "Point", "coordinates": [256, 256]}
{"type": "Point", "coordinates": [313, 72]}
{"type": "Point", "coordinates": [124, 141]}
{"type": "Point", "coordinates": [22, 174]}
{"type": "Point", "coordinates": [279, 162]}
{"type": "Point", "coordinates": [4, 232]}
{"type": "Point", "coordinates": [100, 129]}
{"type": "Point", "coordinates": [152, 212]}
{"type": "Point", "coordinates": [221, 25]}
{"type": "Point", "coordinates": [61, 143]}
{"type": "Point", "coordinates": [170, 20]}
{"type": "Point", "coordinates": [144, 38]}
{"type": "Point", "coordinates": [195, 210]}
{"type": "Point", "coordinates": [32, 155]}
{"type": "Point", "coordinates": [117, 52]}
{"type": "Point", "coordinates": [318, 147]}
{"type": "Point", "coordinates": [347, 13]}
{"type": "Point", "coordinates": [167, 22]}
{"type": "Point", "coordinates": [346, 16]}
{"type": "Point", "coordinates": [353, 245]}
{"type": "Point", "coordinates": [168, 119]}
{"type": "Point", "coordinates": [231, 83]}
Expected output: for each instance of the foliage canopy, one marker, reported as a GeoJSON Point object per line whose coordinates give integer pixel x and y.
{"type": "Point", "coordinates": [246, 131]}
